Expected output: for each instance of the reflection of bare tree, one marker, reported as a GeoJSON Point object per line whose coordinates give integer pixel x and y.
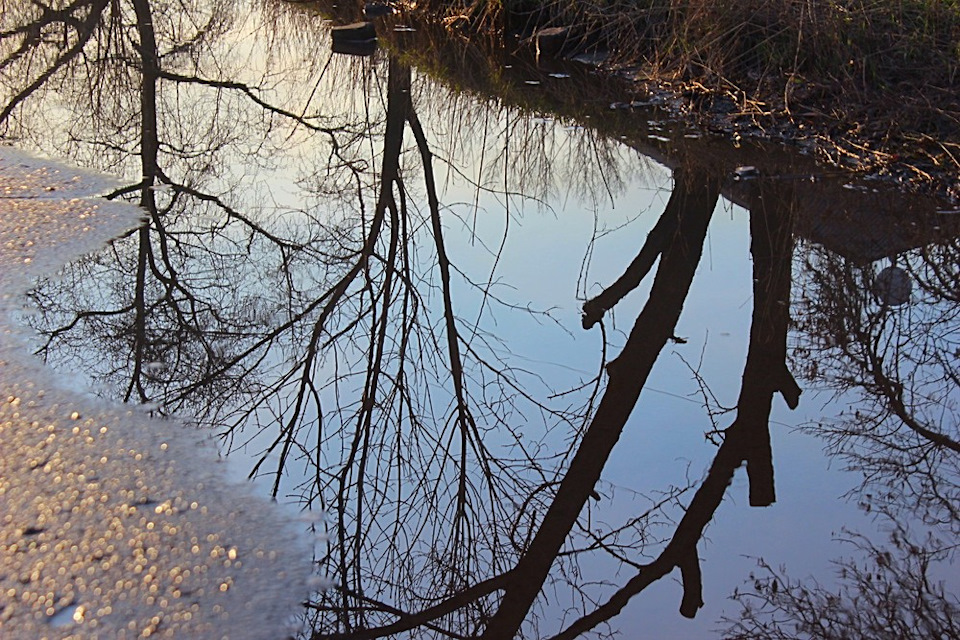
{"type": "Point", "coordinates": [692, 206]}
{"type": "Point", "coordinates": [747, 439]}
{"type": "Point", "coordinates": [441, 476]}
{"type": "Point", "coordinates": [892, 593]}
{"type": "Point", "coordinates": [899, 366]}
{"type": "Point", "coordinates": [164, 327]}
{"type": "Point", "coordinates": [894, 369]}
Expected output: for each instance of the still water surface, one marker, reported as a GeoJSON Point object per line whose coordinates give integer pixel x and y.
{"type": "Point", "coordinates": [534, 359]}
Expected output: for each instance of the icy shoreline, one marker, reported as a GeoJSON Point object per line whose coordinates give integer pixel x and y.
{"type": "Point", "coordinates": [113, 524]}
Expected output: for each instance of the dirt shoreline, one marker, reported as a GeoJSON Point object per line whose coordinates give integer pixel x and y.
{"type": "Point", "coordinates": [836, 143]}
{"type": "Point", "coordinates": [898, 161]}
{"type": "Point", "coordinates": [870, 134]}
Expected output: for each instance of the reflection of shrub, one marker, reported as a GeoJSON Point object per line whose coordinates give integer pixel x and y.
{"type": "Point", "coordinates": [891, 593]}
{"type": "Point", "coordinates": [876, 43]}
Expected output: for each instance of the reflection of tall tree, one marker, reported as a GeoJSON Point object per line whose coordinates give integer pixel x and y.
{"type": "Point", "coordinates": [678, 240]}
{"type": "Point", "coordinates": [894, 369]}
{"type": "Point", "coordinates": [688, 213]}
{"type": "Point", "coordinates": [149, 147]}
{"type": "Point", "coordinates": [411, 403]}
{"type": "Point", "coordinates": [139, 106]}
{"type": "Point", "coordinates": [417, 465]}
{"type": "Point", "coordinates": [388, 408]}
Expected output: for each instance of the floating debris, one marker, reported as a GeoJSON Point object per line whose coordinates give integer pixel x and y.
{"type": "Point", "coordinates": [893, 286]}
{"type": "Point", "coordinates": [635, 104]}
{"type": "Point", "coordinates": [358, 39]}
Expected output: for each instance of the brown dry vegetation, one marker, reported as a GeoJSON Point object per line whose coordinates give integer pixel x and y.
{"type": "Point", "coordinates": [871, 83]}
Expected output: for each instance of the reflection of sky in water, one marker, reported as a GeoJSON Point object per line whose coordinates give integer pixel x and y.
{"type": "Point", "coordinates": [542, 265]}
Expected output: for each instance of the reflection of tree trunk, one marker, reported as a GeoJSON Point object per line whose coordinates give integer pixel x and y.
{"type": "Point", "coordinates": [350, 547]}
{"type": "Point", "coordinates": [692, 206]}
{"type": "Point", "coordinates": [400, 113]}
{"type": "Point", "coordinates": [747, 439]}
{"type": "Point", "coordinates": [149, 148]}
{"type": "Point", "coordinates": [149, 73]}
{"type": "Point", "coordinates": [657, 240]}
{"type": "Point", "coordinates": [765, 372]}
{"type": "Point", "coordinates": [682, 549]}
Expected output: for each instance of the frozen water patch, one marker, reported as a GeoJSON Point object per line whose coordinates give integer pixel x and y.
{"type": "Point", "coordinates": [114, 525]}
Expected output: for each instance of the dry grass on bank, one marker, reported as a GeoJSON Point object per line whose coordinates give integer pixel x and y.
{"type": "Point", "coordinates": [879, 74]}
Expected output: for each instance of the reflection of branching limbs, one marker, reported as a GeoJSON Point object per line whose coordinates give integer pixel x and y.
{"type": "Point", "coordinates": [747, 440]}
{"type": "Point", "coordinates": [893, 390]}
{"type": "Point", "coordinates": [51, 335]}
{"type": "Point", "coordinates": [470, 437]}
{"type": "Point", "coordinates": [336, 294]}
{"type": "Point", "coordinates": [85, 31]}
{"type": "Point", "coordinates": [330, 302]}
{"type": "Point", "coordinates": [408, 621]}
{"type": "Point", "coordinates": [608, 542]}
{"type": "Point", "coordinates": [370, 399]}
{"type": "Point", "coordinates": [372, 604]}
{"type": "Point", "coordinates": [711, 403]}
{"type": "Point", "coordinates": [657, 240]}
{"type": "Point", "coordinates": [284, 245]}
{"type": "Point", "coordinates": [692, 203]}
{"type": "Point", "coordinates": [682, 550]}
{"type": "Point", "coordinates": [250, 92]}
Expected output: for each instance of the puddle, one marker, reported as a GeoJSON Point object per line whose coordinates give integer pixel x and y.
{"type": "Point", "coordinates": [524, 355]}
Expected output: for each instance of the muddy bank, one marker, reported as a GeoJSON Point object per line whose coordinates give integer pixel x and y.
{"type": "Point", "coordinates": [901, 130]}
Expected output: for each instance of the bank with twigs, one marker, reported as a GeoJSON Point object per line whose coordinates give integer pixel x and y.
{"type": "Point", "coordinates": [868, 84]}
